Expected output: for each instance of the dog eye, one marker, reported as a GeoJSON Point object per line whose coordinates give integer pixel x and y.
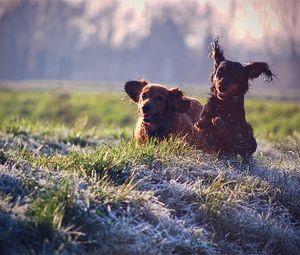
{"type": "Point", "coordinates": [144, 96]}
{"type": "Point", "coordinates": [159, 98]}
{"type": "Point", "coordinates": [220, 72]}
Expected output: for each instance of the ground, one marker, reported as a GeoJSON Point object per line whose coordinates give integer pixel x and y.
{"type": "Point", "coordinates": [72, 181]}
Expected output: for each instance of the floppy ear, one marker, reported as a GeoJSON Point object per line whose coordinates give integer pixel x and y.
{"type": "Point", "coordinates": [134, 89]}
{"type": "Point", "coordinates": [217, 55]}
{"type": "Point", "coordinates": [179, 101]}
{"type": "Point", "coordinates": [255, 69]}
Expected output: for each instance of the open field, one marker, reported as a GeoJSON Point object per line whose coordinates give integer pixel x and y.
{"type": "Point", "coordinates": [101, 112]}
{"type": "Point", "coordinates": [72, 181]}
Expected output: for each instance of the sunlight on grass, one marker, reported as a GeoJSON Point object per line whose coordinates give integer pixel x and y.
{"type": "Point", "coordinates": [73, 181]}
{"type": "Point", "coordinates": [97, 114]}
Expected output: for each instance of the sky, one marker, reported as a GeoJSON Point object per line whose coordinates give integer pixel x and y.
{"type": "Point", "coordinates": [265, 30]}
{"type": "Point", "coordinates": [249, 22]}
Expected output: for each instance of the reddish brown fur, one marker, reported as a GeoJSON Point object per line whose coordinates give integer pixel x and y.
{"type": "Point", "coordinates": [163, 112]}
{"type": "Point", "coordinates": [223, 126]}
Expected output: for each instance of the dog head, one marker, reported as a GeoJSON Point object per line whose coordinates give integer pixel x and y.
{"type": "Point", "coordinates": [156, 102]}
{"type": "Point", "coordinates": [231, 79]}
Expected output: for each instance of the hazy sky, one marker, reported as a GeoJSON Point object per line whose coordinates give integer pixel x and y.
{"type": "Point", "coordinates": [266, 30]}
{"type": "Point", "coordinates": [250, 23]}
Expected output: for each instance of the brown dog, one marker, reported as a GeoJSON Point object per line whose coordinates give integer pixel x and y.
{"type": "Point", "coordinates": [163, 112]}
{"type": "Point", "coordinates": [222, 123]}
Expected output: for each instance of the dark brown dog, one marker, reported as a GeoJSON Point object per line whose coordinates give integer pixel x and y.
{"type": "Point", "coordinates": [222, 123]}
{"type": "Point", "coordinates": [163, 112]}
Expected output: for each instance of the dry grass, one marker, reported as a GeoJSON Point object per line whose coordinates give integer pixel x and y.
{"type": "Point", "coordinates": [73, 182]}
{"type": "Point", "coordinates": [120, 198]}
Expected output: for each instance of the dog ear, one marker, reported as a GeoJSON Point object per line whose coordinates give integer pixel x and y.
{"type": "Point", "coordinates": [217, 55]}
{"type": "Point", "coordinates": [134, 89]}
{"type": "Point", "coordinates": [255, 69]}
{"type": "Point", "coordinates": [179, 101]}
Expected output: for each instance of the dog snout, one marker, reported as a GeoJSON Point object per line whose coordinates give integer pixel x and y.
{"type": "Point", "coordinates": [146, 108]}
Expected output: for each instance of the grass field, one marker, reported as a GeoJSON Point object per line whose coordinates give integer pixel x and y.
{"type": "Point", "coordinates": [72, 181]}
{"type": "Point", "coordinates": [99, 113]}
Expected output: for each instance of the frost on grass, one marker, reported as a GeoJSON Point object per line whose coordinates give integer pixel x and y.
{"type": "Point", "coordinates": [173, 200]}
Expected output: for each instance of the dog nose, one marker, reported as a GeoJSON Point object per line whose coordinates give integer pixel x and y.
{"type": "Point", "coordinates": [146, 108]}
